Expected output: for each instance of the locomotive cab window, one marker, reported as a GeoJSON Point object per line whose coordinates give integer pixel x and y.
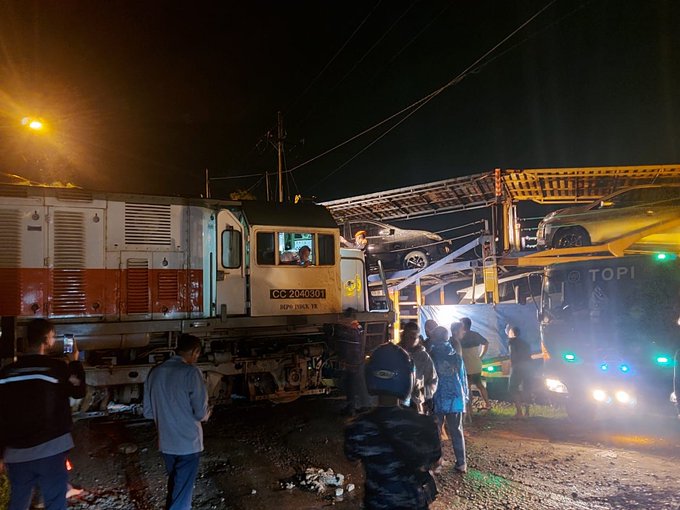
{"type": "Point", "coordinates": [231, 249]}
{"type": "Point", "coordinates": [301, 249]}
{"type": "Point", "coordinates": [327, 247]}
{"type": "Point", "coordinates": [297, 249]}
{"type": "Point", "coordinates": [265, 248]}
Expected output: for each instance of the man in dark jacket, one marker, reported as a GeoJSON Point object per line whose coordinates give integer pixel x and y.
{"type": "Point", "coordinates": [521, 375]}
{"type": "Point", "coordinates": [397, 446]}
{"type": "Point", "coordinates": [350, 342]}
{"type": "Point", "coordinates": [35, 423]}
{"type": "Point", "coordinates": [426, 377]}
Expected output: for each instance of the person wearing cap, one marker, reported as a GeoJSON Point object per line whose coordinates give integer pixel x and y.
{"type": "Point", "coordinates": [360, 241]}
{"type": "Point", "coordinates": [397, 446]}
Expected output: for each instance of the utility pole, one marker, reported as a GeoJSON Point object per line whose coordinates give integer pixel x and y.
{"type": "Point", "coordinates": [279, 148]}
{"type": "Point", "coordinates": [207, 184]}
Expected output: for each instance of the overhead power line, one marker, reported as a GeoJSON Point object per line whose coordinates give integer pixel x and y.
{"type": "Point", "coordinates": [413, 108]}
{"type": "Point", "coordinates": [337, 53]}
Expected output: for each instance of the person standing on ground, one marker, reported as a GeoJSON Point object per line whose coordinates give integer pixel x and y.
{"type": "Point", "coordinates": [520, 375]}
{"type": "Point", "coordinates": [175, 397]}
{"type": "Point", "coordinates": [350, 341]}
{"type": "Point", "coordinates": [472, 357]}
{"type": "Point", "coordinates": [451, 396]}
{"type": "Point", "coordinates": [35, 418]}
{"type": "Point", "coordinates": [426, 376]}
{"type": "Point", "coordinates": [429, 327]}
{"type": "Point", "coordinates": [397, 446]}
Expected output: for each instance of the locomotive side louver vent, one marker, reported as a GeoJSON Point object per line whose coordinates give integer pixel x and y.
{"type": "Point", "coordinates": [9, 190]}
{"type": "Point", "coordinates": [167, 286]}
{"type": "Point", "coordinates": [10, 260]}
{"type": "Point", "coordinates": [10, 238]}
{"type": "Point", "coordinates": [138, 286]}
{"type": "Point", "coordinates": [74, 195]}
{"type": "Point", "coordinates": [68, 277]}
{"type": "Point", "coordinates": [148, 224]}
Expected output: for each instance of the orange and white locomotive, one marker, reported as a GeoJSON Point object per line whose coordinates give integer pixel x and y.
{"type": "Point", "coordinates": [126, 274]}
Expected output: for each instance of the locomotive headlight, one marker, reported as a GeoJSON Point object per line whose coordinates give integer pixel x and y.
{"type": "Point", "coordinates": [674, 398]}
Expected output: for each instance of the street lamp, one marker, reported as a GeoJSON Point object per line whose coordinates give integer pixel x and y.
{"type": "Point", "coordinates": [33, 123]}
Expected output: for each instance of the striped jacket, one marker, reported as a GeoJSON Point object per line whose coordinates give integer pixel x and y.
{"type": "Point", "coordinates": [34, 399]}
{"type": "Point", "coordinates": [395, 446]}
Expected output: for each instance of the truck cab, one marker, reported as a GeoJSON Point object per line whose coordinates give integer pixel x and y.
{"type": "Point", "coordinates": [608, 332]}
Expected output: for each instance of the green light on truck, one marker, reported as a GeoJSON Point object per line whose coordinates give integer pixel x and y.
{"type": "Point", "coordinates": [663, 360]}
{"type": "Point", "coordinates": [569, 356]}
{"type": "Point", "coordinates": [664, 256]}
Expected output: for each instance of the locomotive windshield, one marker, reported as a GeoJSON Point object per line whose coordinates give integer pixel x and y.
{"type": "Point", "coordinates": [295, 249]}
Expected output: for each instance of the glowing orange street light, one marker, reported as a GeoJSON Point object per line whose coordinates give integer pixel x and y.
{"type": "Point", "coordinates": [33, 123]}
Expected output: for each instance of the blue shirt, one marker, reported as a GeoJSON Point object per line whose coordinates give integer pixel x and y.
{"type": "Point", "coordinates": [175, 397]}
{"type": "Point", "coordinates": [452, 392]}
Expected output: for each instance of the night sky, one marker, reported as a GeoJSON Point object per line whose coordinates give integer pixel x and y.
{"type": "Point", "coordinates": [143, 96]}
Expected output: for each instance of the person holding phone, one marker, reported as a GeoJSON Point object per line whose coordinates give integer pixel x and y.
{"type": "Point", "coordinates": [35, 423]}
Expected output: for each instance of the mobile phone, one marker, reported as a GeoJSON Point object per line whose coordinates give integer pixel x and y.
{"type": "Point", "coordinates": [68, 344]}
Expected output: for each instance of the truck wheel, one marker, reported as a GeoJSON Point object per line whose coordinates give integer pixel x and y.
{"type": "Point", "coordinates": [571, 238]}
{"type": "Point", "coordinates": [415, 259]}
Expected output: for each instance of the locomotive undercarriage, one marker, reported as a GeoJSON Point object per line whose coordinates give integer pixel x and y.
{"type": "Point", "coordinates": [279, 363]}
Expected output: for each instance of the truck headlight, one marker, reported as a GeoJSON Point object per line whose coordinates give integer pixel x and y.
{"type": "Point", "coordinates": [556, 386]}
{"type": "Point", "coordinates": [600, 395]}
{"type": "Point", "coordinates": [623, 397]}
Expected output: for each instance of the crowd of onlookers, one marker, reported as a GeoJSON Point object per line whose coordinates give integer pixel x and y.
{"type": "Point", "coordinates": [423, 388]}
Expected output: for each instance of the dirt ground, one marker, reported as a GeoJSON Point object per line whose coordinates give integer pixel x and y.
{"type": "Point", "coordinates": [545, 461]}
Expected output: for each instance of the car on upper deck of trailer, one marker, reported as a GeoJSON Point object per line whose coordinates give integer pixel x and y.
{"type": "Point", "coordinates": [618, 214]}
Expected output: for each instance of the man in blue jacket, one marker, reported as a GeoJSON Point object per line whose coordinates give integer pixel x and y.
{"type": "Point", "coordinates": [35, 418]}
{"type": "Point", "coordinates": [175, 397]}
{"type": "Point", "coordinates": [452, 395]}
